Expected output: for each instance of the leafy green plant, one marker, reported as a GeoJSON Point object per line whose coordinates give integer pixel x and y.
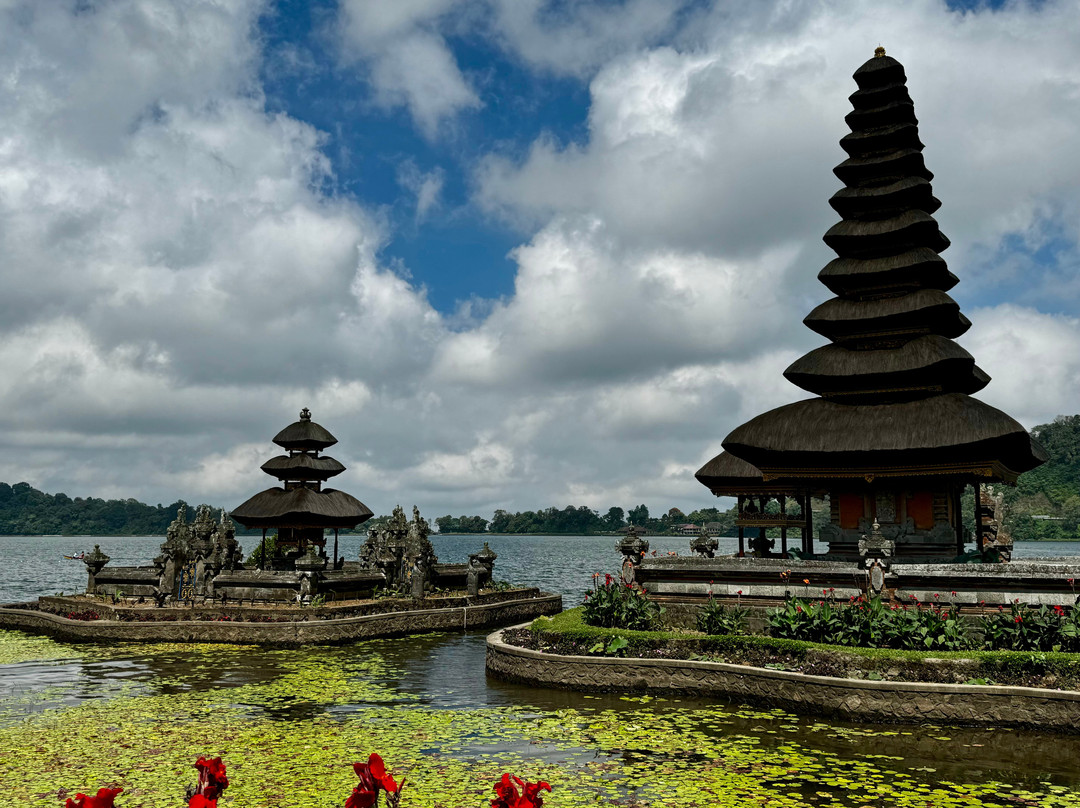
{"type": "Point", "coordinates": [716, 618]}
{"type": "Point", "coordinates": [616, 645]}
{"type": "Point", "coordinates": [617, 605]}
{"type": "Point", "coordinates": [871, 623]}
{"type": "Point", "coordinates": [1023, 628]}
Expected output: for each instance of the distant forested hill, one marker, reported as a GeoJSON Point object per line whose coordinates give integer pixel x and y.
{"type": "Point", "coordinates": [25, 511]}
{"type": "Point", "coordinates": [1046, 501]}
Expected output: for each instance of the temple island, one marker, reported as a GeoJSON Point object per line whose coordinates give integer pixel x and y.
{"type": "Point", "coordinates": [893, 433]}
{"type": "Point", "coordinates": [288, 590]}
{"type": "Point", "coordinates": [891, 438]}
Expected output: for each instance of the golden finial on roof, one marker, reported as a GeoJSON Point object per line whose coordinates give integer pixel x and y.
{"type": "Point", "coordinates": [879, 52]}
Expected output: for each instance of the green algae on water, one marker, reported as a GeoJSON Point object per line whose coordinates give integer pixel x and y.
{"type": "Point", "coordinates": [290, 727]}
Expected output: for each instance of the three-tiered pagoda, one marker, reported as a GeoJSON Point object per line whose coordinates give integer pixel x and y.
{"type": "Point", "coordinates": [302, 510]}
{"type": "Point", "coordinates": [893, 434]}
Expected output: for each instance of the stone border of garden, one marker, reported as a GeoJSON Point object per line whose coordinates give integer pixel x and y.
{"type": "Point", "coordinates": [854, 699]}
{"type": "Point", "coordinates": [292, 633]}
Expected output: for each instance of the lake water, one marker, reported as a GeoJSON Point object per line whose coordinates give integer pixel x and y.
{"type": "Point", "coordinates": [290, 722]}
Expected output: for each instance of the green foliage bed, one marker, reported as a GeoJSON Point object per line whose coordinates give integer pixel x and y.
{"type": "Point", "coordinates": [567, 631]}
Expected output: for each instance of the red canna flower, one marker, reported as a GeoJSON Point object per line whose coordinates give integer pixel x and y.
{"type": "Point", "coordinates": [361, 798]}
{"type": "Point", "coordinates": [381, 775]}
{"type": "Point", "coordinates": [607, 579]}
{"type": "Point", "coordinates": [212, 779]}
{"type": "Point", "coordinates": [530, 793]}
{"type": "Point", "coordinates": [199, 801]}
{"type": "Point", "coordinates": [507, 794]}
{"type": "Point", "coordinates": [103, 799]}
{"type": "Point", "coordinates": [373, 776]}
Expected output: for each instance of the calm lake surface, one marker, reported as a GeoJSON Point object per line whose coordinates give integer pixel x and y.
{"type": "Point", "coordinates": [290, 722]}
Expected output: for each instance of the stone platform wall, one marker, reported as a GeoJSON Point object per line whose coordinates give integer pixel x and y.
{"type": "Point", "coordinates": [853, 699]}
{"type": "Point", "coordinates": [292, 633]}
{"type": "Point", "coordinates": [768, 581]}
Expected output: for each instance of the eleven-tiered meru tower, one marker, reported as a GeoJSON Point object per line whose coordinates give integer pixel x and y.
{"type": "Point", "coordinates": [893, 434]}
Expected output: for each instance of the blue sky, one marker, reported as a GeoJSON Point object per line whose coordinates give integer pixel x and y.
{"type": "Point", "coordinates": [513, 253]}
{"type": "Point", "coordinates": [455, 253]}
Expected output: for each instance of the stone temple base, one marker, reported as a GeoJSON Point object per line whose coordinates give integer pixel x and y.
{"type": "Point", "coordinates": [281, 627]}
{"type": "Point", "coordinates": [769, 581]}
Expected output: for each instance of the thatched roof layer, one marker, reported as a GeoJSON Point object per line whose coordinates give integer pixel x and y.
{"type": "Point", "coordinates": [885, 201]}
{"type": "Point", "coordinates": [924, 365]}
{"type": "Point", "coordinates": [304, 434]}
{"type": "Point", "coordinates": [921, 268]}
{"type": "Point", "coordinates": [301, 507]}
{"type": "Point", "coordinates": [855, 238]}
{"type": "Point", "coordinates": [302, 466]}
{"type": "Point", "coordinates": [949, 428]}
{"type": "Point", "coordinates": [926, 311]}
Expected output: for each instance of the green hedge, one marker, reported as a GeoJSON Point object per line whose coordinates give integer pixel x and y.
{"type": "Point", "coordinates": [568, 625]}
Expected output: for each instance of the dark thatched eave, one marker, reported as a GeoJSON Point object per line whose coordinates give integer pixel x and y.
{"type": "Point", "coordinates": [883, 167]}
{"type": "Point", "coordinates": [818, 437]}
{"type": "Point", "coordinates": [301, 508]}
{"type": "Point", "coordinates": [304, 435]}
{"type": "Point", "coordinates": [926, 311]}
{"type": "Point", "coordinates": [885, 201]}
{"type": "Point", "coordinates": [302, 467]}
{"type": "Point", "coordinates": [921, 268]}
{"type": "Point", "coordinates": [879, 237]}
{"type": "Point", "coordinates": [727, 475]}
{"type": "Point", "coordinates": [879, 71]}
{"type": "Point", "coordinates": [921, 367]}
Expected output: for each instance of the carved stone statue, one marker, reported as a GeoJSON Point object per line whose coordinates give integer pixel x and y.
{"type": "Point", "coordinates": [399, 547]}
{"type": "Point", "coordinates": [996, 541]}
{"type": "Point", "coordinates": [704, 544]}
{"type": "Point", "coordinates": [876, 545]}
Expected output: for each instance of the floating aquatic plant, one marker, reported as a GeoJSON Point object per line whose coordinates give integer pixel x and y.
{"type": "Point", "coordinates": [288, 720]}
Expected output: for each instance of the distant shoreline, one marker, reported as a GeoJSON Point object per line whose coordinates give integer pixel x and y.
{"type": "Point", "coordinates": [433, 536]}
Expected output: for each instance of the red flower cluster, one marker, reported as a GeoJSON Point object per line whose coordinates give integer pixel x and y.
{"type": "Point", "coordinates": [212, 781]}
{"type": "Point", "coordinates": [373, 776]}
{"type": "Point", "coordinates": [508, 796]}
{"type": "Point", "coordinates": [103, 799]}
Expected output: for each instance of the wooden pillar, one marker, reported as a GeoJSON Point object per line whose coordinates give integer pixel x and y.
{"type": "Point", "coordinates": [262, 550]}
{"type": "Point", "coordinates": [783, 528]}
{"type": "Point", "coordinates": [742, 543]}
{"type": "Point", "coordinates": [978, 516]}
{"type": "Point", "coordinates": [808, 530]}
{"type": "Point", "coordinates": [333, 566]}
{"type": "Point", "coordinates": [958, 519]}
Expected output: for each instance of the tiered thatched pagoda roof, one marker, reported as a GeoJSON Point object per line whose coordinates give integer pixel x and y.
{"type": "Point", "coordinates": [302, 502]}
{"type": "Point", "coordinates": [893, 389]}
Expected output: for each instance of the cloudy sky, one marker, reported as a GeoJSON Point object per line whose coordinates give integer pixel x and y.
{"type": "Point", "coordinates": [512, 253]}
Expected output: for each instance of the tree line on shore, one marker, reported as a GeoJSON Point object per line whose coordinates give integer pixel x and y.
{"type": "Point", "coordinates": [1044, 505]}
{"type": "Point", "coordinates": [583, 520]}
